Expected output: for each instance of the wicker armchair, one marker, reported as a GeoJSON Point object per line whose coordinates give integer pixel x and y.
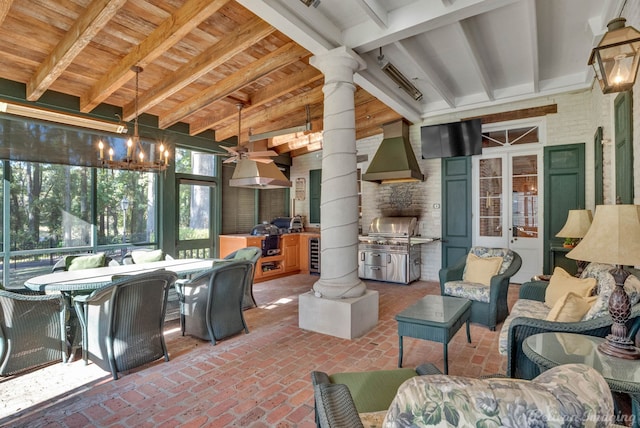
{"type": "Point", "coordinates": [211, 303]}
{"type": "Point", "coordinates": [32, 331]}
{"type": "Point", "coordinates": [518, 365]}
{"type": "Point", "coordinates": [253, 255]}
{"type": "Point", "coordinates": [489, 305]}
{"type": "Point", "coordinates": [122, 323]}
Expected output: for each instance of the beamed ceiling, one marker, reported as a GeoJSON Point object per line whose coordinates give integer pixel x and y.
{"type": "Point", "coordinates": [201, 58]}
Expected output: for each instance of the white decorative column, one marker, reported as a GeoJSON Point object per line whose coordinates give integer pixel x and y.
{"type": "Point", "coordinates": [340, 304]}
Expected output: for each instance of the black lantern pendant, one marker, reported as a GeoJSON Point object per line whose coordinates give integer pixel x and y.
{"type": "Point", "coordinates": [616, 58]}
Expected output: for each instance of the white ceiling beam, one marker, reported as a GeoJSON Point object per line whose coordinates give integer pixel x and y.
{"type": "Point", "coordinates": [413, 19]}
{"type": "Point", "coordinates": [412, 53]}
{"type": "Point", "coordinates": [473, 52]}
{"type": "Point", "coordinates": [279, 15]}
{"type": "Point", "coordinates": [375, 11]}
{"type": "Point", "coordinates": [533, 47]}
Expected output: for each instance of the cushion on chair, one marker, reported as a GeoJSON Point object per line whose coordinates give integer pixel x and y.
{"type": "Point", "coordinates": [85, 262]}
{"type": "Point", "coordinates": [562, 282]}
{"type": "Point", "coordinates": [468, 290]}
{"type": "Point", "coordinates": [374, 390]}
{"type": "Point", "coordinates": [571, 307]}
{"type": "Point", "coordinates": [567, 395]}
{"type": "Point", "coordinates": [245, 254]}
{"type": "Point", "coordinates": [147, 256]}
{"type": "Point", "coordinates": [505, 253]}
{"type": "Point", "coordinates": [522, 308]}
{"type": "Point", "coordinates": [481, 269]}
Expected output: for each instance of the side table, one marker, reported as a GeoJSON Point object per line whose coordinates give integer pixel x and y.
{"type": "Point", "coordinates": [548, 350]}
{"type": "Point", "coordinates": [436, 318]}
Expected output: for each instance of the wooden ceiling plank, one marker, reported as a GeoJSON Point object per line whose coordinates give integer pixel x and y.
{"type": "Point", "coordinates": [171, 31]}
{"type": "Point", "coordinates": [265, 95]}
{"type": "Point", "coordinates": [269, 63]}
{"type": "Point", "coordinates": [5, 5]}
{"type": "Point", "coordinates": [314, 147]}
{"type": "Point", "coordinates": [95, 17]}
{"type": "Point", "coordinates": [374, 126]}
{"type": "Point", "coordinates": [267, 115]}
{"type": "Point", "coordinates": [292, 120]}
{"type": "Point", "coordinates": [246, 35]}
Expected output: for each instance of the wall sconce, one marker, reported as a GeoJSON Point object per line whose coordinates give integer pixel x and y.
{"type": "Point", "coordinates": [615, 59]}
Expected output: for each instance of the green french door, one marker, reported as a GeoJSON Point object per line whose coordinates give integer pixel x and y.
{"type": "Point", "coordinates": [195, 216]}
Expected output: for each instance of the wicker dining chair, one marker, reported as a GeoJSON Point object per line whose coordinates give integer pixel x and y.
{"type": "Point", "coordinates": [252, 254]}
{"type": "Point", "coordinates": [122, 322]}
{"type": "Point", "coordinates": [211, 303]}
{"type": "Point", "coordinates": [32, 331]}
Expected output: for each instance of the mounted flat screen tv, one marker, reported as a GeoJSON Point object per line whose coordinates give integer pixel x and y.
{"type": "Point", "coordinates": [452, 139]}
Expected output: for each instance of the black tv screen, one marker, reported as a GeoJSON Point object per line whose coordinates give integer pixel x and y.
{"type": "Point", "coordinates": [452, 139]}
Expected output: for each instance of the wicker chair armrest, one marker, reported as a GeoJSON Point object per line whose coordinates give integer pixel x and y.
{"type": "Point", "coordinates": [427, 369]}
{"type": "Point", "coordinates": [533, 290]}
{"type": "Point", "coordinates": [335, 406]}
{"type": "Point", "coordinates": [319, 377]}
{"type": "Point", "coordinates": [452, 273]}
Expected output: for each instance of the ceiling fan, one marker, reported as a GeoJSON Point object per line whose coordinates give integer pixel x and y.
{"type": "Point", "coordinates": [245, 151]}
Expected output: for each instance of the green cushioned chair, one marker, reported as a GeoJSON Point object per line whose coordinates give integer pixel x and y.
{"type": "Point", "coordinates": [371, 391]}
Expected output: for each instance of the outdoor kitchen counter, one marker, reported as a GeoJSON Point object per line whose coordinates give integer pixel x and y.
{"type": "Point", "coordinates": [293, 257]}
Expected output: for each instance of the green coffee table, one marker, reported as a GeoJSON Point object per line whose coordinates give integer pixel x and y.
{"type": "Point", "coordinates": [435, 318]}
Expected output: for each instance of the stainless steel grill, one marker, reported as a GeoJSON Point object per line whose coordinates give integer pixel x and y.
{"type": "Point", "coordinates": [390, 251]}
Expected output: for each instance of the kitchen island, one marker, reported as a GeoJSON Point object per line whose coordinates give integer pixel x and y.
{"type": "Point", "coordinates": [293, 257]}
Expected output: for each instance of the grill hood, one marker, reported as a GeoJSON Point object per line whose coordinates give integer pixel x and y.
{"type": "Point", "coordinates": [394, 162]}
{"type": "Point", "coordinates": [258, 175]}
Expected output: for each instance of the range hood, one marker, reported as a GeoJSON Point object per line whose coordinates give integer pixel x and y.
{"type": "Point", "coordinates": [258, 175]}
{"type": "Point", "coordinates": [394, 162]}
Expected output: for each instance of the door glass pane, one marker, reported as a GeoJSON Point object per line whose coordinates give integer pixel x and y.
{"type": "Point", "coordinates": [195, 212]}
{"type": "Point", "coordinates": [525, 196]}
{"type": "Point", "coordinates": [491, 197]}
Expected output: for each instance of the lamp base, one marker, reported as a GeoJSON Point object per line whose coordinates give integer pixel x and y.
{"type": "Point", "coordinates": [619, 348]}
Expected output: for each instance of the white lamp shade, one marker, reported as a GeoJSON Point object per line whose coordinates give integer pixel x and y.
{"type": "Point", "coordinates": [577, 225]}
{"type": "Point", "coordinates": [613, 238]}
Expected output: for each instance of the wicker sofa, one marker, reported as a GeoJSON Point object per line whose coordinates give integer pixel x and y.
{"type": "Point", "coordinates": [528, 317]}
{"type": "Point", "coordinates": [568, 395]}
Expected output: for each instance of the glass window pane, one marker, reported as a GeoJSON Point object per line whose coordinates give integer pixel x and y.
{"type": "Point", "coordinates": [195, 211]}
{"type": "Point", "coordinates": [491, 197]}
{"type": "Point", "coordinates": [126, 207]}
{"type": "Point", "coordinates": [525, 196]}
{"type": "Point", "coordinates": [193, 162]}
{"type": "Point", "coordinates": [523, 135]}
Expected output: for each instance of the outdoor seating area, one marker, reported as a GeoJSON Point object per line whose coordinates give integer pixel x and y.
{"type": "Point", "coordinates": [256, 379]}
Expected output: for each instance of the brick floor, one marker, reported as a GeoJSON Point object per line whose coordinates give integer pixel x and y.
{"type": "Point", "coordinates": [260, 379]}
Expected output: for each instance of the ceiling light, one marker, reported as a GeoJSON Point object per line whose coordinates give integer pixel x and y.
{"type": "Point", "coordinates": [57, 117]}
{"type": "Point", "coordinates": [399, 78]}
{"type": "Point", "coordinates": [615, 59]}
{"type": "Point", "coordinates": [135, 158]}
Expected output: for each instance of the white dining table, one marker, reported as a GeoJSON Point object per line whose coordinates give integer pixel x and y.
{"type": "Point", "coordinates": [91, 279]}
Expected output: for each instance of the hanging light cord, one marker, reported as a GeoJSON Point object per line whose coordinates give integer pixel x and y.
{"type": "Point", "coordinates": [623, 6]}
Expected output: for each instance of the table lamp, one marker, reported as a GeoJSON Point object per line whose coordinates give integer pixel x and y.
{"type": "Point", "coordinates": [614, 238]}
{"type": "Point", "coordinates": [575, 228]}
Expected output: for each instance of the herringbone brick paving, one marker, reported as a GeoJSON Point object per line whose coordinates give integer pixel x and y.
{"type": "Point", "coordinates": [260, 379]}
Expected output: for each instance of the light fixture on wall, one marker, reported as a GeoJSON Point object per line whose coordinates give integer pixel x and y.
{"type": "Point", "coordinates": [135, 158]}
{"type": "Point", "coordinates": [313, 3]}
{"type": "Point", "coordinates": [64, 118]}
{"type": "Point", "coordinates": [615, 60]}
{"type": "Point", "coordinates": [398, 78]}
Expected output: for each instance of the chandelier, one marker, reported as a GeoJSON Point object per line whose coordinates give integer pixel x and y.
{"type": "Point", "coordinates": [135, 159]}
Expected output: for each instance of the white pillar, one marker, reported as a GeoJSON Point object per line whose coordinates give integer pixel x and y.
{"type": "Point", "coordinates": [340, 305]}
{"type": "Point", "coordinates": [339, 198]}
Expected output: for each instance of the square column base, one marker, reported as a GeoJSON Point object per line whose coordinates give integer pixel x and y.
{"type": "Point", "coordinates": [344, 318]}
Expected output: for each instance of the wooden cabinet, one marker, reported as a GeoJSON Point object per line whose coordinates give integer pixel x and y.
{"type": "Point", "coordinates": [293, 257]}
{"type": "Point", "coordinates": [290, 246]}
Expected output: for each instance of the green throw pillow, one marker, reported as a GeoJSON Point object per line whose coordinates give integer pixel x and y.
{"type": "Point", "coordinates": [85, 262]}
{"type": "Point", "coordinates": [147, 256]}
